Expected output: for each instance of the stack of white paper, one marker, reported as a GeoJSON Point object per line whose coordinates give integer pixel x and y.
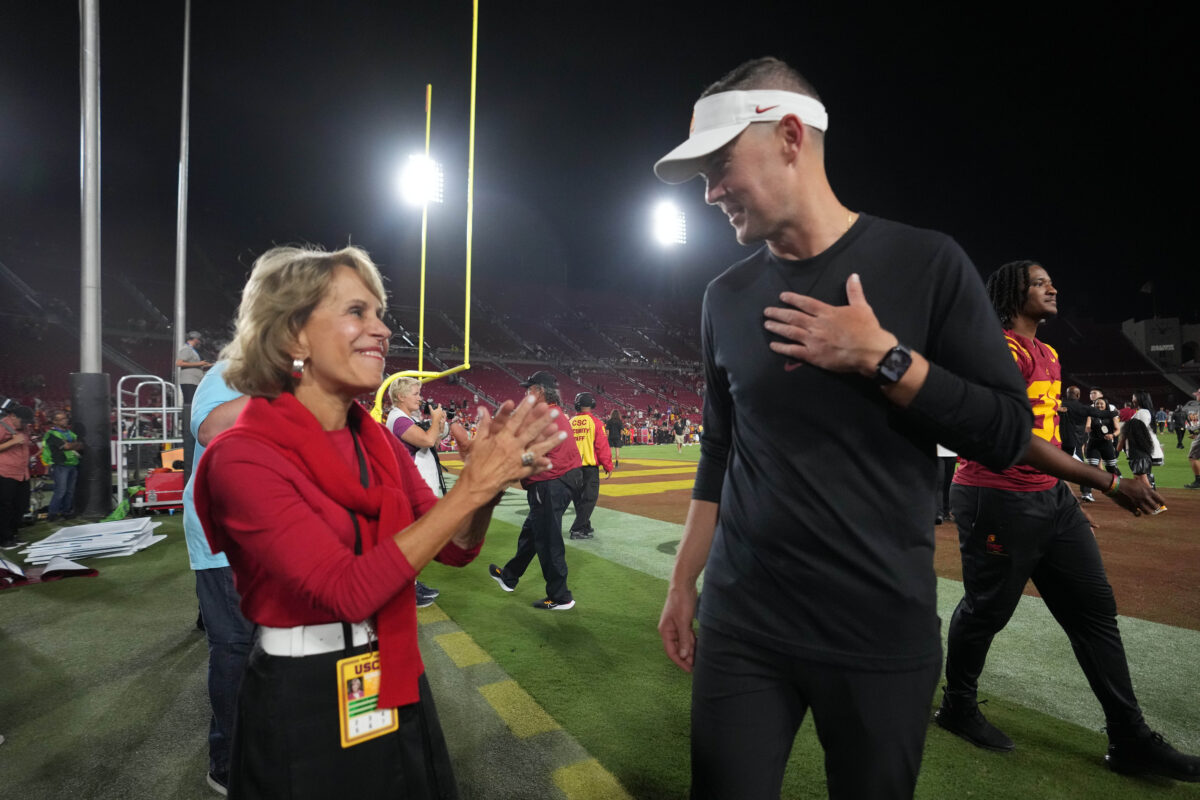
{"type": "Point", "coordinates": [121, 537]}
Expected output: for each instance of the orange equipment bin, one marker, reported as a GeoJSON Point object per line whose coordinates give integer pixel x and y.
{"type": "Point", "coordinates": [169, 457]}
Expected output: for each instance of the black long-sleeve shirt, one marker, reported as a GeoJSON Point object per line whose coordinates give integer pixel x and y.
{"type": "Point", "coordinates": [824, 542]}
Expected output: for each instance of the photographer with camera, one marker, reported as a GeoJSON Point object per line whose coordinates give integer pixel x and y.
{"type": "Point", "coordinates": [408, 422]}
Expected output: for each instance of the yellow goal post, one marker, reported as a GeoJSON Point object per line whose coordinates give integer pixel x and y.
{"type": "Point", "coordinates": [420, 372]}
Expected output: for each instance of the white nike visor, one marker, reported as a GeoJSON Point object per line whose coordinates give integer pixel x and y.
{"type": "Point", "coordinates": [719, 118]}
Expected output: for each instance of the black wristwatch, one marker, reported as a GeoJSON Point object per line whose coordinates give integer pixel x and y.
{"type": "Point", "coordinates": [893, 366]}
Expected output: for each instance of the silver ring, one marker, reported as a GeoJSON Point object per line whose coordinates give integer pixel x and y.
{"type": "Point", "coordinates": [527, 459]}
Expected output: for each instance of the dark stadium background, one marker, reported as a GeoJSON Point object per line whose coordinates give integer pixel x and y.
{"type": "Point", "coordinates": [1024, 132]}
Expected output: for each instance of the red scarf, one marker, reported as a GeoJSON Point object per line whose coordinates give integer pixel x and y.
{"type": "Point", "coordinates": [292, 433]}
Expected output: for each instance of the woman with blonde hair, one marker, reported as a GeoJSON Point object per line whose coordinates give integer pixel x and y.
{"type": "Point", "coordinates": [406, 423]}
{"type": "Point", "coordinates": [420, 438]}
{"type": "Point", "coordinates": [326, 524]}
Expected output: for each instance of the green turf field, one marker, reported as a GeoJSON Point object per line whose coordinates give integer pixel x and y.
{"type": "Point", "coordinates": [105, 698]}
{"type": "Point", "coordinates": [1175, 471]}
{"type": "Point", "coordinates": [691, 452]}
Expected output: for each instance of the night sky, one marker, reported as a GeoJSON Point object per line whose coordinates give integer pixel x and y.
{"type": "Point", "coordinates": [1023, 134]}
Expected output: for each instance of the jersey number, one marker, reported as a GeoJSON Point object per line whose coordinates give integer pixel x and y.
{"type": "Point", "coordinates": [1044, 397]}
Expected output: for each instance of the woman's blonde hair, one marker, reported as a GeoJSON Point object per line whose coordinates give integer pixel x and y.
{"type": "Point", "coordinates": [402, 387]}
{"type": "Point", "coordinates": [285, 285]}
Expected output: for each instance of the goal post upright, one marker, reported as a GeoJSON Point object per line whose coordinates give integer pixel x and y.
{"type": "Point", "coordinates": [420, 372]}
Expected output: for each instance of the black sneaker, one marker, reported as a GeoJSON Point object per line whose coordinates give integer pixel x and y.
{"type": "Point", "coordinates": [970, 724]}
{"type": "Point", "coordinates": [583, 535]}
{"type": "Point", "coordinates": [498, 576]}
{"type": "Point", "coordinates": [1087, 497]}
{"type": "Point", "coordinates": [218, 783]}
{"type": "Point", "coordinates": [425, 595]}
{"type": "Point", "coordinates": [13, 545]}
{"type": "Point", "coordinates": [550, 605]}
{"type": "Point", "coordinates": [1151, 755]}
{"type": "Point", "coordinates": [1193, 485]}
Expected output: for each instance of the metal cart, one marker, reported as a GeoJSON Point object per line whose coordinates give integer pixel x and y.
{"type": "Point", "coordinates": [149, 418]}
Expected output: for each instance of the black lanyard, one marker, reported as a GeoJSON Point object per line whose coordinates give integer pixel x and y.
{"type": "Point", "coordinates": [364, 479]}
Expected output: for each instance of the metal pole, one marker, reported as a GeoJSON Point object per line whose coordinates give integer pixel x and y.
{"type": "Point", "coordinates": [89, 387]}
{"type": "Point", "coordinates": [182, 198]}
{"type": "Point", "coordinates": [89, 79]}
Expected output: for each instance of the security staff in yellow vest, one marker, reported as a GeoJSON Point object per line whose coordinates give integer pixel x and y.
{"type": "Point", "coordinates": [592, 441]}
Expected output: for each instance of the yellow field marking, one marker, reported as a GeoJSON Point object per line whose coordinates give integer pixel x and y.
{"type": "Point", "coordinates": [520, 712]}
{"type": "Point", "coordinates": [462, 649]}
{"type": "Point", "coordinates": [653, 487]}
{"type": "Point", "coordinates": [659, 467]}
{"type": "Point", "coordinates": [588, 780]}
{"type": "Point", "coordinates": [430, 614]}
{"type": "Point", "coordinates": [620, 472]}
{"type": "Point", "coordinates": [653, 462]}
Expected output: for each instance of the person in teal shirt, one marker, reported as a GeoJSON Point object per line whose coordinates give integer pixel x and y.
{"type": "Point", "coordinates": [215, 407]}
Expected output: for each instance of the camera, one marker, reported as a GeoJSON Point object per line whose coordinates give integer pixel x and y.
{"type": "Point", "coordinates": [428, 407]}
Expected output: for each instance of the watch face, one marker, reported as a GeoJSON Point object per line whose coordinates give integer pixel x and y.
{"type": "Point", "coordinates": [893, 366]}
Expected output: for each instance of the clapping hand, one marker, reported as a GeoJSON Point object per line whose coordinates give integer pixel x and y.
{"type": "Point", "coordinates": [510, 446]}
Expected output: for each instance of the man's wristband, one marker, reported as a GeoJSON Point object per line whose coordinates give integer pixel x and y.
{"type": "Point", "coordinates": [1115, 488]}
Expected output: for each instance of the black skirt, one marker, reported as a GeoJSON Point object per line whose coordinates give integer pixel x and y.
{"type": "Point", "coordinates": [287, 743]}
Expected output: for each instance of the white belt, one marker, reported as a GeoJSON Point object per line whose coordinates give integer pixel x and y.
{"type": "Point", "coordinates": [310, 640]}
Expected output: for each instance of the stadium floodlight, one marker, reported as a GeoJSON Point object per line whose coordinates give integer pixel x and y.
{"type": "Point", "coordinates": [670, 224]}
{"type": "Point", "coordinates": [421, 180]}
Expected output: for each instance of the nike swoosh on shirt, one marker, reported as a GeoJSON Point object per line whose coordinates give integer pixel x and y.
{"type": "Point", "coordinates": [761, 110]}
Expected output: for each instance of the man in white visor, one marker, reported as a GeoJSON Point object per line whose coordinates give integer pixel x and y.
{"type": "Point", "coordinates": [816, 538]}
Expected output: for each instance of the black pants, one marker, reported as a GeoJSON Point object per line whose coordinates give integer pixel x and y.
{"type": "Point", "coordinates": [1102, 450]}
{"type": "Point", "coordinates": [1006, 539]}
{"type": "Point", "coordinates": [1078, 449]}
{"type": "Point", "coordinates": [287, 742]}
{"type": "Point", "coordinates": [946, 466]}
{"type": "Point", "coordinates": [585, 500]}
{"type": "Point", "coordinates": [748, 702]}
{"type": "Point", "coordinates": [14, 502]}
{"type": "Point", "coordinates": [542, 535]}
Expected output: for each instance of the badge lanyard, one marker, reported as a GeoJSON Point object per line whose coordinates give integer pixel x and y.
{"type": "Point", "coordinates": [359, 718]}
